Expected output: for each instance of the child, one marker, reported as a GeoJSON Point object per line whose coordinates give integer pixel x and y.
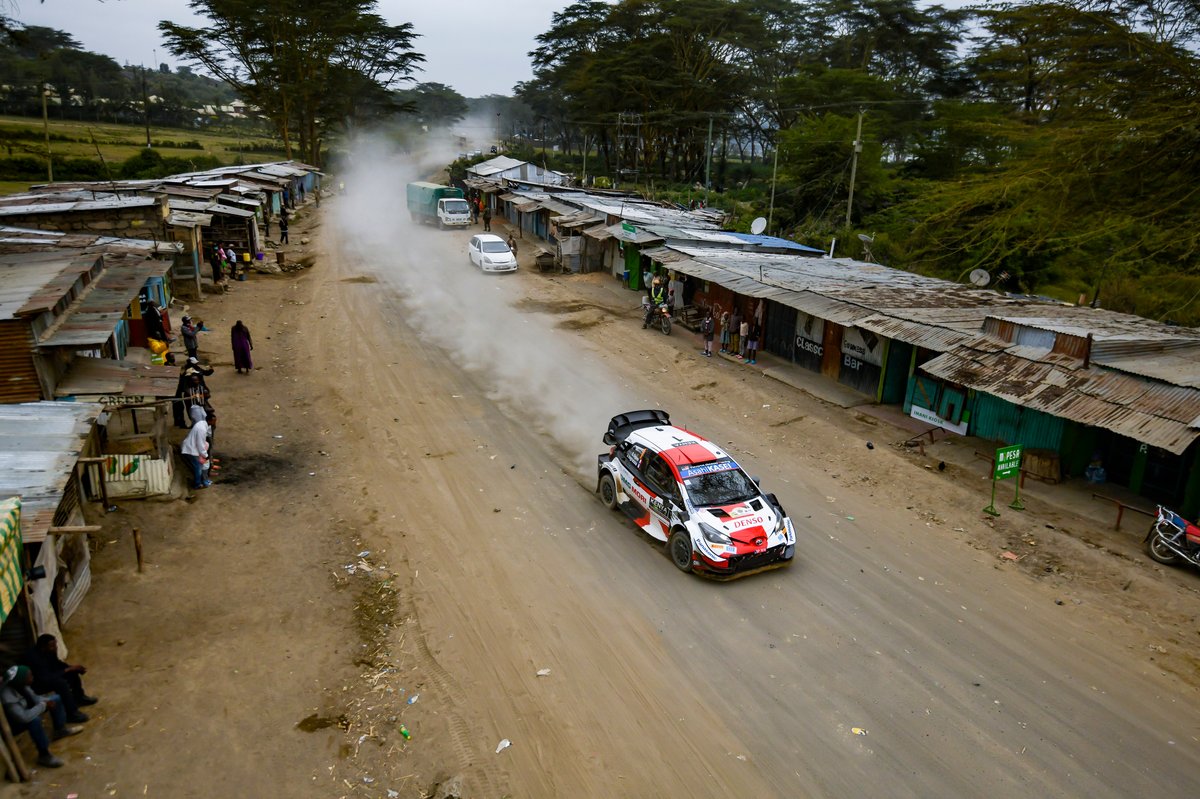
{"type": "Point", "coordinates": [752, 342]}
{"type": "Point", "coordinates": [706, 329]}
{"type": "Point", "coordinates": [744, 336]}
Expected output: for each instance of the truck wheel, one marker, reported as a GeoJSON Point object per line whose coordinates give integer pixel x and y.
{"type": "Point", "coordinates": [441, 225]}
{"type": "Point", "coordinates": [608, 491]}
{"type": "Point", "coordinates": [679, 547]}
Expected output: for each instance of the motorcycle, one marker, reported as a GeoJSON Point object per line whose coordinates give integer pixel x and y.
{"type": "Point", "coordinates": [1172, 539]}
{"type": "Point", "coordinates": [657, 315]}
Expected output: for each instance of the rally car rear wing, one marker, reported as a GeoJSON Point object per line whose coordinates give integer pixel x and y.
{"type": "Point", "coordinates": [623, 424]}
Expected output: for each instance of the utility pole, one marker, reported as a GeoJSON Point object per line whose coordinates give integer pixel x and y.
{"type": "Point", "coordinates": [46, 131]}
{"type": "Point", "coordinates": [774, 172]}
{"type": "Point", "coordinates": [146, 106]}
{"type": "Point", "coordinates": [707, 161]}
{"type": "Point", "coordinates": [854, 166]}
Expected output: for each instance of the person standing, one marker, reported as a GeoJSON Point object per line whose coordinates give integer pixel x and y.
{"type": "Point", "coordinates": [283, 229]}
{"type": "Point", "coordinates": [191, 336]}
{"type": "Point", "coordinates": [706, 330]}
{"type": "Point", "coordinates": [744, 337]}
{"type": "Point", "coordinates": [24, 710]}
{"type": "Point", "coordinates": [735, 326]}
{"type": "Point", "coordinates": [752, 341]}
{"type": "Point", "coordinates": [487, 218]}
{"type": "Point", "coordinates": [239, 338]}
{"type": "Point", "coordinates": [512, 245]}
{"type": "Point", "coordinates": [195, 447]}
{"type": "Point", "coordinates": [724, 331]}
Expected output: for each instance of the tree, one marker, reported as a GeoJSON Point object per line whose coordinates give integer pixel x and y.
{"type": "Point", "coordinates": [307, 64]}
{"type": "Point", "coordinates": [434, 103]}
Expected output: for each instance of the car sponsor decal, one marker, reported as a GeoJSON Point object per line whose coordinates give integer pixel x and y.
{"type": "Point", "coordinates": [739, 510]}
{"type": "Point", "coordinates": [711, 467]}
{"type": "Point", "coordinates": [741, 524]}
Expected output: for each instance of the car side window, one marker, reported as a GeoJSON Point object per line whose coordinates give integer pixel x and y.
{"type": "Point", "coordinates": [658, 474]}
{"type": "Point", "coordinates": [631, 456]}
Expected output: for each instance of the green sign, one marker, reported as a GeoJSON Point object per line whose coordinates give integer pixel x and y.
{"type": "Point", "coordinates": [628, 229]}
{"type": "Point", "coordinates": [1008, 462]}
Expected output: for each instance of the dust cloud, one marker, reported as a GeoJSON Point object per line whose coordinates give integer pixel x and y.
{"type": "Point", "coordinates": [545, 377]}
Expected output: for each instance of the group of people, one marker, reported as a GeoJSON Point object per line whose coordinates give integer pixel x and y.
{"type": "Point", "coordinates": [193, 409]}
{"type": "Point", "coordinates": [739, 334]}
{"type": "Point", "coordinates": [225, 265]}
{"type": "Point", "coordinates": [43, 683]}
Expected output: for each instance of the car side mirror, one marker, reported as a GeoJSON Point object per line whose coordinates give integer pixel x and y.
{"type": "Point", "coordinates": [756, 480]}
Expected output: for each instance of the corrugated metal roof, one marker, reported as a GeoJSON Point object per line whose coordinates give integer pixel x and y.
{"type": "Point", "coordinates": [40, 445]}
{"type": "Point", "coordinates": [599, 232]}
{"type": "Point", "coordinates": [1154, 413]}
{"type": "Point", "coordinates": [641, 236]}
{"type": "Point", "coordinates": [1179, 365]}
{"type": "Point", "coordinates": [91, 319]}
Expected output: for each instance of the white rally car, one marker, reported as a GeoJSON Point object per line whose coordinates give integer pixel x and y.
{"type": "Point", "coordinates": [685, 491]}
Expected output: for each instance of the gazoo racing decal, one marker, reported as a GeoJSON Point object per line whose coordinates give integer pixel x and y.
{"type": "Point", "coordinates": [696, 469]}
{"type": "Point", "coordinates": [739, 510]}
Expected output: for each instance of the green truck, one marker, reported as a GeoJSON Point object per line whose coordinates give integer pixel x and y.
{"type": "Point", "coordinates": [443, 205]}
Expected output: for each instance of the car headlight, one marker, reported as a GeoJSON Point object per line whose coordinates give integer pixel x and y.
{"type": "Point", "coordinates": [713, 535]}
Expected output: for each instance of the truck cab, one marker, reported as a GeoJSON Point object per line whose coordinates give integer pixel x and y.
{"type": "Point", "coordinates": [453, 212]}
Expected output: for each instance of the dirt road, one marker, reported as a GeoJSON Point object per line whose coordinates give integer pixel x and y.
{"type": "Point", "coordinates": [423, 540]}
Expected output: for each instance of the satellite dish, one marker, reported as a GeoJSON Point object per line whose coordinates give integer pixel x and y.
{"type": "Point", "coordinates": [758, 226]}
{"type": "Point", "coordinates": [865, 239]}
{"type": "Point", "coordinates": [980, 277]}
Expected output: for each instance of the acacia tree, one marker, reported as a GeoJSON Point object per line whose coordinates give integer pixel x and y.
{"type": "Point", "coordinates": [305, 63]}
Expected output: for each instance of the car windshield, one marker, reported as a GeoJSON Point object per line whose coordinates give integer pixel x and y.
{"type": "Point", "coordinates": [717, 483]}
{"type": "Point", "coordinates": [457, 206]}
{"type": "Point", "coordinates": [495, 246]}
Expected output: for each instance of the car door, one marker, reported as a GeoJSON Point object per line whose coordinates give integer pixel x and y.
{"type": "Point", "coordinates": [473, 250]}
{"type": "Point", "coordinates": [660, 480]}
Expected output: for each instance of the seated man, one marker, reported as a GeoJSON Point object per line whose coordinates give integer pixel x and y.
{"type": "Point", "coordinates": [52, 676]}
{"type": "Point", "coordinates": [24, 710]}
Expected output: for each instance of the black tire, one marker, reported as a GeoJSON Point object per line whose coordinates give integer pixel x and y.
{"type": "Point", "coordinates": [608, 491]}
{"type": "Point", "coordinates": [441, 225]}
{"type": "Point", "coordinates": [665, 324]}
{"type": "Point", "coordinates": [679, 548]}
{"type": "Point", "coordinates": [1160, 552]}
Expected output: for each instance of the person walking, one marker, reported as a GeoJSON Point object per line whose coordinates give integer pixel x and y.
{"type": "Point", "coordinates": [191, 336]}
{"type": "Point", "coordinates": [752, 336]}
{"type": "Point", "coordinates": [195, 447]}
{"type": "Point", "coordinates": [24, 710]}
{"type": "Point", "coordinates": [239, 339]}
{"type": "Point", "coordinates": [512, 245]}
{"type": "Point", "coordinates": [735, 327]}
{"type": "Point", "coordinates": [706, 330]}
{"type": "Point", "coordinates": [487, 218]}
{"type": "Point", "coordinates": [744, 336]}
{"type": "Point", "coordinates": [283, 229]}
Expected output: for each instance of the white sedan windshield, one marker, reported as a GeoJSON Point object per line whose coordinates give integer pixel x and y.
{"type": "Point", "coordinates": [495, 246]}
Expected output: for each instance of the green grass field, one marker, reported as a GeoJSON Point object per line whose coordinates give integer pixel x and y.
{"type": "Point", "coordinates": [23, 136]}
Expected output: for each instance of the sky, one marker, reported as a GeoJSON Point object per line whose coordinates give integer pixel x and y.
{"type": "Point", "coordinates": [477, 47]}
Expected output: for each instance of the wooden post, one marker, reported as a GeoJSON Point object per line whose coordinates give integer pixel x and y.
{"type": "Point", "coordinates": [137, 547]}
{"type": "Point", "coordinates": [13, 761]}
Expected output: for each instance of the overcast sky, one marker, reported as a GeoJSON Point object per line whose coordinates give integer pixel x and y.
{"type": "Point", "coordinates": [476, 46]}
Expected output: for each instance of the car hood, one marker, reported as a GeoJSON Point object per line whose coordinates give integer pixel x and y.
{"type": "Point", "coordinates": [742, 521]}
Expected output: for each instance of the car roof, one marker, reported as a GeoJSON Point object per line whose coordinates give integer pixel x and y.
{"type": "Point", "coordinates": [490, 237]}
{"type": "Point", "coordinates": [679, 446]}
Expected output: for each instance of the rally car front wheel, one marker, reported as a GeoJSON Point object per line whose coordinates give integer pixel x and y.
{"type": "Point", "coordinates": [608, 491]}
{"type": "Point", "coordinates": [679, 547]}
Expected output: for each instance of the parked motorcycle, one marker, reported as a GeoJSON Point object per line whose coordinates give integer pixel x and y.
{"type": "Point", "coordinates": [1172, 539]}
{"type": "Point", "coordinates": [657, 316]}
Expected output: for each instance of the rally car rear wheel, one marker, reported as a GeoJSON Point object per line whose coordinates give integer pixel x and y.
{"type": "Point", "coordinates": [679, 547]}
{"type": "Point", "coordinates": [608, 491]}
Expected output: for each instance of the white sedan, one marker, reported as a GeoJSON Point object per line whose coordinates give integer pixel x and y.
{"type": "Point", "coordinates": [491, 254]}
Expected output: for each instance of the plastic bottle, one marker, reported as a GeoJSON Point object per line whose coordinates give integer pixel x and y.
{"type": "Point", "coordinates": [404, 731]}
